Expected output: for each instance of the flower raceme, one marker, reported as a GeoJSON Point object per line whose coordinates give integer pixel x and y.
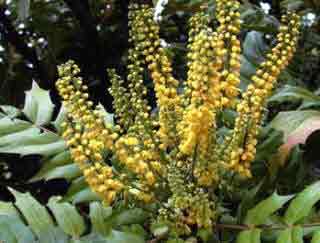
{"type": "Point", "coordinates": [174, 158]}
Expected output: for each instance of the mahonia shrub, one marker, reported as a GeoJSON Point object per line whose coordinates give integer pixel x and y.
{"type": "Point", "coordinates": [175, 158]}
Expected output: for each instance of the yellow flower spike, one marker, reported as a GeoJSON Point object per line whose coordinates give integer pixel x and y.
{"type": "Point", "coordinates": [204, 92]}
{"type": "Point", "coordinates": [145, 35]}
{"type": "Point", "coordinates": [121, 102]}
{"type": "Point", "coordinates": [250, 109]}
{"type": "Point", "coordinates": [228, 16]}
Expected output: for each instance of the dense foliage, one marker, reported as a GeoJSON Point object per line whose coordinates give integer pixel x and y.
{"type": "Point", "coordinates": [215, 129]}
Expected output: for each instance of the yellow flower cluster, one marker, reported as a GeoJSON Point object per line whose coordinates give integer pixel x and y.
{"type": "Point", "coordinates": [144, 34]}
{"type": "Point", "coordinates": [141, 159]}
{"type": "Point", "coordinates": [203, 87]}
{"type": "Point", "coordinates": [228, 16]}
{"type": "Point", "coordinates": [86, 134]}
{"type": "Point", "coordinates": [121, 103]}
{"type": "Point", "coordinates": [175, 157]}
{"type": "Point", "coordinates": [250, 109]}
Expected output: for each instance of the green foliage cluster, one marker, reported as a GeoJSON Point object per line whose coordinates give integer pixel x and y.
{"type": "Point", "coordinates": [28, 221]}
{"type": "Point", "coordinates": [278, 205]}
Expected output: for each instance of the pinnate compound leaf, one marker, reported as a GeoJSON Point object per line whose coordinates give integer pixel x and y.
{"type": "Point", "coordinates": [291, 235]}
{"type": "Point", "coordinates": [113, 237]}
{"type": "Point", "coordinates": [67, 217]}
{"type": "Point", "coordinates": [297, 234]}
{"type": "Point", "coordinates": [316, 237]}
{"type": "Point", "coordinates": [35, 214]}
{"type": "Point", "coordinates": [67, 172]}
{"type": "Point", "coordinates": [130, 216]}
{"type": "Point", "coordinates": [80, 192]}
{"type": "Point", "coordinates": [46, 144]}
{"type": "Point", "coordinates": [249, 236]}
{"type": "Point", "coordinates": [84, 195]}
{"type": "Point", "coordinates": [38, 106]}
{"type": "Point", "coordinates": [11, 139]}
{"type": "Point", "coordinates": [285, 236]}
{"type": "Point", "coordinates": [7, 208]}
{"type": "Point", "coordinates": [60, 119]}
{"type": "Point", "coordinates": [260, 213]}
{"type": "Point", "coordinates": [99, 216]}
{"type": "Point", "coordinates": [123, 237]}
{"type": "Point", "coordinates": [11, 125]}
{"type": "Point", "coordinates": [9, 111]}
{"type": "Point", "coordinates": [301, 206]}
{"type": "Point", "coordinates": [52, 163]}
{"type": "Point", "coordinates": [53, 235]}
{"type": "Point", "coordinates": [13, 230]}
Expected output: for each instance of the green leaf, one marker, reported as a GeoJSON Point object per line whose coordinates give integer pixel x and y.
{"type": "Point", "coordinates": [91, 238]}
{"type": "Point", "coordinates": [8, 125]}
{"type": "Point", "coordinates": [291, 235]}
{"type": "Point", "coordinates": [38, 106]}
{"type": "Point", "coordinates": [6, 235]}
{"type": "Point", "coordinates": [51, 164]}
{"type": "Point", "coordinates": [53, 235]}
{"type": "Point", "coordinates": [44, 144]}
{"type": "Point", "coordinates": [270, 144]}
{"type": "Point", "coordinates": [301, 206]}
{"type": "Point", "coordinates": [13, 230]}
{"type": "Point", "coordinates": [316, 237]}
{"type": "Point", "coordinates": [285, 236]}
{"type": "Point", "coordinates": [249, 236]}
{"type": "Point", "coordinates": [80, 192]}
{"type": "Point", "coordinates": [35, 214]}
{"type": "Point", "coordinates": [292, 93]}
{"type": "Point", "coordinates": [297, 234]}
{"type": "Point", "coordinates": [60, 118]}
{"type": "Point", "coordinates": [135, 229]}
{"type": "Point", "coordinates": [85, 195]}
{"type": "Point", "coordinates": [248, 201]}
{"type": "Point", "coordinates": [123, 237]}
{"type": "Point", "coordinates": [254, 47]}
{"type": "Point", "coordinates": [204, 234]}
{"type": "Point", "coordinates": [67, 217]}
{"type": "Point", "coordinates": [67, 172]}
{"type": "Point", "coordinates": [7, 208]}
{"type": "Point", "coordinates": [253, 54]}
{"type": "Point", "coordinates": [12, 138]}
{"type": "Point", "coordinates": [76, 186]}
{"type": "Point", "coordinates": [99, 216]}
{"type": "Point", "coordinates": [130, 216]}
{"type": "Point", "coordinates": [292, 119]}
{"type": "Point", "coordinates": [113, 237]}
{"type": "Point", "coordinates": [260, 213]}
{"type": "Point", "coordinates": [10, 111]}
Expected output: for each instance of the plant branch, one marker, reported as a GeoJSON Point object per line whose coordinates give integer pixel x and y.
{"type": "Point", "coordinates": [263, 226]}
